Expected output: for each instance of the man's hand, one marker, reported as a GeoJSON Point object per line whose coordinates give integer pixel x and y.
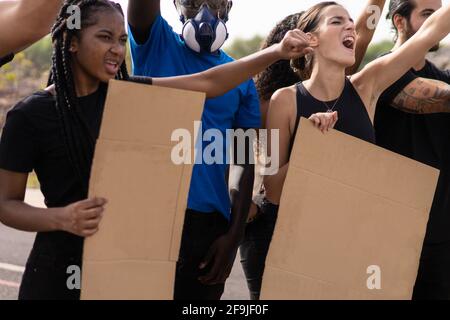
{"type": "Point", "coordinates": [220, 258]}
{"type": "Point", "coordinates": [295, 44]}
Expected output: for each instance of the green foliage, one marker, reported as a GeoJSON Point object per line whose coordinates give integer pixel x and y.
{"type": "Point", "coordinates": [40, 54]}
{"type": "Point", "coordinates": [30, 65]}
{"type": "Point", "coordinates": [240, 47]}
{"type": "Point", "coordinates": [375, 50]}
{"type": "Point", "coordinates": [10, 74]}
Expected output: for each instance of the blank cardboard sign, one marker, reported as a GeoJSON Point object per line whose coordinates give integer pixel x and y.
{"type": "Point", "coordinates": [351, 222]}
{"type": "Point", "coordinates": [133, 255]}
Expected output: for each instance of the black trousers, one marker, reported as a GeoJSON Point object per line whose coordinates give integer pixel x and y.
{"type": "Point", "coordinates": [199, 232]}
{"type": "Point", "coordinates": [45, 276]}
{"type": "Point", "coordinates": [255, 246]}
{"type": "Point", "coordinates": [433, 279]}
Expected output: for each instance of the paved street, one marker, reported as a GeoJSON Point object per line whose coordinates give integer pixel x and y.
{"type": "Point", "coordinates": [15, 247]}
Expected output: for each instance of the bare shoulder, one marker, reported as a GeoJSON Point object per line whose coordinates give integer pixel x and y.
{"type": "Point", "coordinates": [283, 109]}
{"type": "Point", "coordinates": [284, 100]}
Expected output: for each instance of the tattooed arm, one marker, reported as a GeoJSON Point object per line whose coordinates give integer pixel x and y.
{"type": "Point", "coordinates": [423, 96]}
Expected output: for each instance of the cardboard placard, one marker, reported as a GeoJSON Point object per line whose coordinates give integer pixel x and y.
{"type": "Point", "coordinates": [351, 223]}
{"type": "Point", "coordinates": [134, 254]}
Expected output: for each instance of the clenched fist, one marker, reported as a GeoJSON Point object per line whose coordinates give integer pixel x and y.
{"type": "Point", "coordinates": [295, 44]}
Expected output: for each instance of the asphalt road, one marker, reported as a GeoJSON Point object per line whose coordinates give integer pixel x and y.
{"type": "Point", "coordinates": [16, 245]}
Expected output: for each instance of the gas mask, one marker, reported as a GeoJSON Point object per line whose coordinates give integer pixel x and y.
{"type": "Point", "coordinates": [205, 32]}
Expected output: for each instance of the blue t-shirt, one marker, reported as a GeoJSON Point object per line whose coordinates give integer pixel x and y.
{"type": "Point", "coordinates": [165, 55]}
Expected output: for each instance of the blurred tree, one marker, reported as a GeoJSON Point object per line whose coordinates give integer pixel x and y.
{"type": "Point", "coordinates": [243, 47]}
{"type": "Point", "coordinates": [375, 50]}
{"type": "Point", "coordinates": [41, 54]}
{"type": "Point", "coordinates": [19, 68]}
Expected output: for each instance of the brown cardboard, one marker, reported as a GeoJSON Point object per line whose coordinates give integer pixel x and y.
{"type": "Point", "coordinates": [346, 205]}
{"type": "Point", "coordinates": [133, 255]}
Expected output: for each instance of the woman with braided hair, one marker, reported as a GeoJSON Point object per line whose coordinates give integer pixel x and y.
{"type": "Point", "coordinates": [54, 131]}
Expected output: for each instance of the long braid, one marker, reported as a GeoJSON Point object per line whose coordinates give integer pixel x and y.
{"type": "Point", "coordinates": [78, 138]}
{"type": "Point", "coordinates": [123, 72]}
{"type": "Point", "coordinates": [58, 79]}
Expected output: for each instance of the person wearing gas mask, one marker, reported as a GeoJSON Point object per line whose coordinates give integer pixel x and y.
{"type": "Point", "coordinates": [215, 218]}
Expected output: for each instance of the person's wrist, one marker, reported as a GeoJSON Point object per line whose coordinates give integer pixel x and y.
{"type": "Point", "coordinates": [236, 236]}
{"type": "Point", "coordinates": [58, 221]}
{"type": "Point", "coordinates": [276, 52]}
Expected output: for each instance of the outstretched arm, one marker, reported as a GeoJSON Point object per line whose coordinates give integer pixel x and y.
{"type": "Point", "coordinates": [141, 15]}
{"type": "Point", "coordinates": [378, 75]}
{"type": "Point", "coordinates": [221, 79]}
{"type": "Point", "coordinates": [388, 69]}
{"type": "Point", "coordinates": [366, 26]}
{"type": "Point", "coordinates": [23, 22]}
{"type": "Point", "coordinates": [424, 96]}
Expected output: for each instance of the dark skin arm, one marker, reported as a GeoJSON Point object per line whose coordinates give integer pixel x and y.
{"type": "Point", "coordinates": [223, 251]}
{"type": "Point", "coordinates": [141, 15]}
{"type": "Point", "coordinates": [424, 96]}
{"type": "Point", "coordinates": [81, 218]}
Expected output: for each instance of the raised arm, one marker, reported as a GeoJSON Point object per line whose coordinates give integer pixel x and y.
{"type": "Point", "coordinates": [141, 15]}
{"type": "Point", "coordinates": [424, 96]}
{"type": "Point", "coordinates": [365, 29]}
{"type": "Point", "coordinates": [23, 22]}
{"type": "Point", "coordinates": [219, 80]}
{"type": "Point", "coordinates": [384, 71]}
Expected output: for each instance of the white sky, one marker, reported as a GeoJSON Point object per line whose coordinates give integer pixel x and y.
{"type": "Point", "coordinates": [251, 17]}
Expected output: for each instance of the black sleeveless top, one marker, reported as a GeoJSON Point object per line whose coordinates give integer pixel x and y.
{"type": "Point", "coordinates": [353, 117]}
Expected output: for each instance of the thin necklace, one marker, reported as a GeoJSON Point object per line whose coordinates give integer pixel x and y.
{"type": "Point", "coordinates": [329, 110]}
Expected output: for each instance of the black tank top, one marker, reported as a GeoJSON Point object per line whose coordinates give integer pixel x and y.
{"type": "Point", "coordinates": [353, 117]}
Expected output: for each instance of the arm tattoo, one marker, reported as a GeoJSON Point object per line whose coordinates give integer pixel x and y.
{"type": "Point", "coordinates": [424, 96]}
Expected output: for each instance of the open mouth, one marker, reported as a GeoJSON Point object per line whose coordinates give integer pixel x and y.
{"type": "Point", "coordinates": [112, 66]}
{"type": "Point", "coordinates": [349, 42]}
